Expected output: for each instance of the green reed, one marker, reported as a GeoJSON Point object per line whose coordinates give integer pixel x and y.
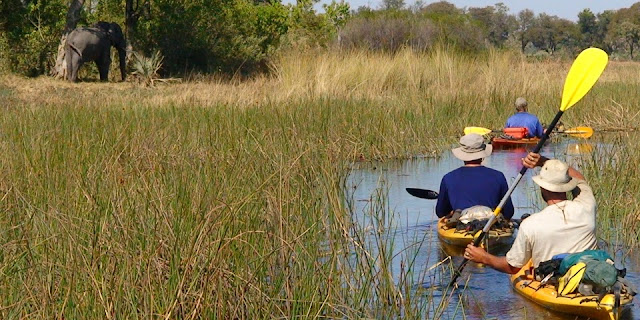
{"type": "Point", "coordinates": [613, 168]}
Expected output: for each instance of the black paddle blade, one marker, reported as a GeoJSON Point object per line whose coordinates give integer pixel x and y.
{"type": "Point", "coordinates": [423, 193]}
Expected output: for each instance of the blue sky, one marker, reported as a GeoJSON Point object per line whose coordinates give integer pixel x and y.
{"type": "Point", "coordinates": [561, 8]}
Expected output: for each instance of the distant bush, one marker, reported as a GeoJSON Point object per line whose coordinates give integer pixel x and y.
{"type": "Point", "coordinates": [423, 36]}
{"type": "Point", "coordinates": [379, 34]}
{"type": "Point", "coordinates": [393, 32]}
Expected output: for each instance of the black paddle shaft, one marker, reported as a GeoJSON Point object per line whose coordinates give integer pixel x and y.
{"type": "Point", "coordinates": [480, 237]}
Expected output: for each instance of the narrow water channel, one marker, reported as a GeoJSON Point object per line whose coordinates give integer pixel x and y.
{"type": "Point", "coordinates": [413, 222]}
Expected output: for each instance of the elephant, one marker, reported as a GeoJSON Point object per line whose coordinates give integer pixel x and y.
{"type": "Point", "coordinates": [94, 44]}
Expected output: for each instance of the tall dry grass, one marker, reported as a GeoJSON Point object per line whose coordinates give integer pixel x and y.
{"type": "Point", "coordinates": [224, 199]}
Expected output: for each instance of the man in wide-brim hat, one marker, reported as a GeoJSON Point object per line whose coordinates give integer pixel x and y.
{"type": "Point", "coordinates": [472, 184]}
{"type": "Point", "coordinates": [564, 226]}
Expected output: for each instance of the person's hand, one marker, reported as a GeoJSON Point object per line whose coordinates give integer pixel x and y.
{"type": "Point", "coordinates": [533, 160]}
{"type": "Point", "coordinates": [475, 254]}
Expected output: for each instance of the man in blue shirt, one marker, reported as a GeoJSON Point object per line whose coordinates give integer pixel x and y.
{"type": "Point", "coordinates": [523, 119]}
{"type": "Point", "coordinates": [472, 184]}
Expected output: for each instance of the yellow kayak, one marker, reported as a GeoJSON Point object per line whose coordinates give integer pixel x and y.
{"type": "Point", "coordinates": [575, 304]}
{"type": "Point", "coordinates": [461, 238]}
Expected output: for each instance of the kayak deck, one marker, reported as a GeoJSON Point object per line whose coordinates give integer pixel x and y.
{"type": "Point", "coordinates": [461, 238]}
{"type": "Point", "coordinates": [576, 304]}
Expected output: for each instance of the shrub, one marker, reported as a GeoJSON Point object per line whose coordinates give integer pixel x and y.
{"type": "Point", "coordinates": [33, 37]}
{"type": "Point", "coordinates": [209, 36]}
{"type": "Point", "coordinates": [145, 69]}
{"type": "Point", "coordinates": [388, 34]}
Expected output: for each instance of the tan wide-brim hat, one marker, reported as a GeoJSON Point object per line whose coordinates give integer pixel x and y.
{"type": "Point", "coordinates": [472, 147]}
{"type": "Point", "coordinates": [554, 177]}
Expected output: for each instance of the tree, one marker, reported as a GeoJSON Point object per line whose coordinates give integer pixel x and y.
{"type": "Point", "coordinates": [525, 21]}
{"type": "Point", "coordinates": [11, 26]}
{"type": "Point", "coordinates": [417, 6]}
{"type": "Point", "coordinates": [29, 33]}
{"type": "Point", "coordinates": [393, 4]}
{"type": "Point", "coordinates": [337, 13]}
{"type": "Point", "coordinates": [588, 27]}
{"type": "Point", "coordinates": [497, 22]}
{"type": "Point", "coordinates": [483, 15]}
{"type": "Point", "coordinates": [504, 24]}
{"type": "Point", "coordinates": [550, 32]}
{"type": "Point", "coordinates": [441, 8]}
{"type": "Point", "coordinates": [133, 11]}
{"type": "Point", "coordinates": [604, 22]}
{"type": "Point", "coordinates": [620, 30]}
{"type": "Point", "coordinates": [630, 33]}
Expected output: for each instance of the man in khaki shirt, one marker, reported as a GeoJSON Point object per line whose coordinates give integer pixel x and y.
{"type": "Point", "coordinates": [564, 226]}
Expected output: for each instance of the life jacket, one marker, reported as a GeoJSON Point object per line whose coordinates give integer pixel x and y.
{"type": "Point", "coordinates": [515, 133]}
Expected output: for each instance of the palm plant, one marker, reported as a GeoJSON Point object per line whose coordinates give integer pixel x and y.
{"type": "Point", "coordinates": [146, 68]}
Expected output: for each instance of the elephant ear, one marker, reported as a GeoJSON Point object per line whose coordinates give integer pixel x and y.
{"type": "Point", "coordinates": [102, 25]}
{"type": "Point", "coordinates": [115, 35]}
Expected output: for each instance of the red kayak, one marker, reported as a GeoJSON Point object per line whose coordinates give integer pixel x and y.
{"type": "Point", "coordinates": [498, 142]}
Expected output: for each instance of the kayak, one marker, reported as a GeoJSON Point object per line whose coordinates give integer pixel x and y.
{"type": "Point", "coordinates": [498, 142]}
{"type": "Point", "coordinates": [575, 303]}
{"type": "Point", "coordinates": [461, 238]}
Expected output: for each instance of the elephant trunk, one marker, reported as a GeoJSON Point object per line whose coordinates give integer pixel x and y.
{"type": "Point", "coordinates": [122, 55]}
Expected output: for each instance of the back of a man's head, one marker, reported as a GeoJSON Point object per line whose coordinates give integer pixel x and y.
{"type": "Point", "coordinates": [521, 104]}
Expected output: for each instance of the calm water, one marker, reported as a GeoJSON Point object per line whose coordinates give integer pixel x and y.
{"type": "Point", "coordinates": [412, 229]}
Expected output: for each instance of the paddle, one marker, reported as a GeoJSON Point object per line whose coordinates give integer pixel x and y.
{"type": "Point", "coordinates": [423, 193]}
{"type": "Point", "coordinates": [584, 73]}
{"type": "Point", "coordinates": [479, 130]}
{"type": "Point", "coordinates": [578, 132]}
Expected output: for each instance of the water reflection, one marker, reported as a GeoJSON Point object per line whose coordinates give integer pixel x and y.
{"type": "Point", "coordinates": [489, 294]}
{"type": "Point", "coordinates": [579, 148]}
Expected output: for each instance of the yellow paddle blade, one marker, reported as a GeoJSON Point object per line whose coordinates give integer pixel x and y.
{"type": "Point", "coordinates": [584, 73]}
{"type": "Point", "coordinates": [570, 281]}
{"type": "Point", "coordinates": [479, 130]}
{"type": "Point", "coordinates": [580, 132]}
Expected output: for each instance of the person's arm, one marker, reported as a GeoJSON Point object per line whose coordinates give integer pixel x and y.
{"type": "Point", "coordinates": [515, 259]}
{"type": "Point", "coordinates": [443, 206]}
{"type": "Point", "coordinates": [479, 255]}
{"type": "Point", "coordinates": [536, 160]}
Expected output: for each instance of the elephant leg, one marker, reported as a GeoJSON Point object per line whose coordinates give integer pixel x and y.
{"type": "Point", "coordinates": [74, 61]}
{"type": "Point", "coordinates": [104, 63]}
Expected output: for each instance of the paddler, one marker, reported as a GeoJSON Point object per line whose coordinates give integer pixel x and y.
{"type": "Point", "coordinates": [564, 226]}
{"type": "Point", "coordinates": [523, 119]}
{"type": "Point", "coordinates": [472, 184]}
